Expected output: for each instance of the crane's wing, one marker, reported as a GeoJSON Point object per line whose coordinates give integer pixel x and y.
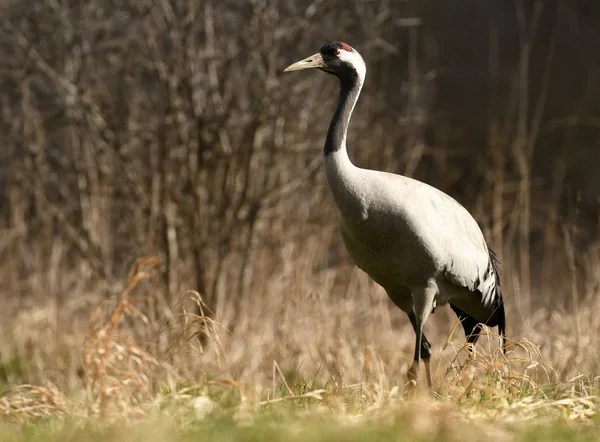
{"type": "Point", "coordinates": [485, 287]}
{"type": "Point", "coordinates": [469, 262]}
{"type": "Point", "coordinates": [493, 310]}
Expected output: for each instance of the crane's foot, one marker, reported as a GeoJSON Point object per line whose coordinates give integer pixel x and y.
{"type": "Point", "coordinates": [413, 372]}
{"type": "Point", "coordinates": [413, 376]}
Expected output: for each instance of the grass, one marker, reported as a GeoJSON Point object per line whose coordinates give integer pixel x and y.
{"type": "Point", "coordinates": [414, 420]}
{"type": "Point", "coordinates": [300, 371]}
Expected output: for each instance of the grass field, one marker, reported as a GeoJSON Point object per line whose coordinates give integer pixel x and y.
{"type": "Point", "coordinates": [296, 369]}
{"type": "Point", "coordinates": [422, 422]}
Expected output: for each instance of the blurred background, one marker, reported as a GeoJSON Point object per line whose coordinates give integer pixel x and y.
{"type": "Point", "coordinates": [166, 128]}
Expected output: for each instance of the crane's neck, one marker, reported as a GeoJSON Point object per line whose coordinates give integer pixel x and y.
{"type": "Point", "coordinates": [343, 177]}
{"type": "Point", "coordinates": [350, 86]}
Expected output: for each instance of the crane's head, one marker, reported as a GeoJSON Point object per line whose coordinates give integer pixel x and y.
{"type": "Point", "coordinates": [337, 58]}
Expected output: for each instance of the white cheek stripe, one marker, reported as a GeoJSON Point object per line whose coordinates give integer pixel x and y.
{"type": "Point", "coordinates": [355, 60]}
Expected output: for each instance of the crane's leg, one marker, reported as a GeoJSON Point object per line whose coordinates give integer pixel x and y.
{"type": "Point", "coordinates": [403, 300]}
{"type": "Point", "coordinates": [425, 349]}
{"type": "Point", "coordinates": [423, 298]}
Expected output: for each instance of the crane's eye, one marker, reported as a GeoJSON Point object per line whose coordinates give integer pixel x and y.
{"type": "Point", "coordinates": [336, 52]}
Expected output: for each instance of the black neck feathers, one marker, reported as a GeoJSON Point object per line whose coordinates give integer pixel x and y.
{"type": "Point", "coordinates": [350, 85]}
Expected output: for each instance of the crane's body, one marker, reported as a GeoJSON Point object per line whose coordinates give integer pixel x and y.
{"type": "Point", "coordinates": [418, 243]}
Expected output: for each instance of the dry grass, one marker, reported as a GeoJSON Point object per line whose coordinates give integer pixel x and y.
{"type": "Point", "coordinates": [302, 357]}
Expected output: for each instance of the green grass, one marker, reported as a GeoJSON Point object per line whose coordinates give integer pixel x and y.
{"type": "Point", "coordinates": [299, 426]}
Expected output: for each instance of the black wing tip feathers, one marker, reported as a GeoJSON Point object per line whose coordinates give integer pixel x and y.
{"type": "Point", "coordinates": [496, 315]}
{"type": "Point", "coordinates": [495, 263]}
{"type": "Point", "coordinates": [472, 326]}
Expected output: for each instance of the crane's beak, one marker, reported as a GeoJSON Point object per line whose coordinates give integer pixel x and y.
{"type": "Point", "coordinates": [314, 61]}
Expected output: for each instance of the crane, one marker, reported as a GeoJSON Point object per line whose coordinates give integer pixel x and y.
{"type": "Point", "coordinates": [418, 243]}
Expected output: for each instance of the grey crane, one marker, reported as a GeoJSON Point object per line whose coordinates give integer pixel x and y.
{"type": "Point", "coordinates": [418, 243]}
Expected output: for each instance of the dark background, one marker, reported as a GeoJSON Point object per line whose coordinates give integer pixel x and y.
{"type": "Point", "coordinates": [146, 127]}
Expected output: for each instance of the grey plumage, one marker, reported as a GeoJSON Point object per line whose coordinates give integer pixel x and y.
{"type": "Point", "coordinates": [418, 243]}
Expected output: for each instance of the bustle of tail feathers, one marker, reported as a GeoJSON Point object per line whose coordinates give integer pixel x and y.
{"type": "Point", "coordinates": [493, 303]}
